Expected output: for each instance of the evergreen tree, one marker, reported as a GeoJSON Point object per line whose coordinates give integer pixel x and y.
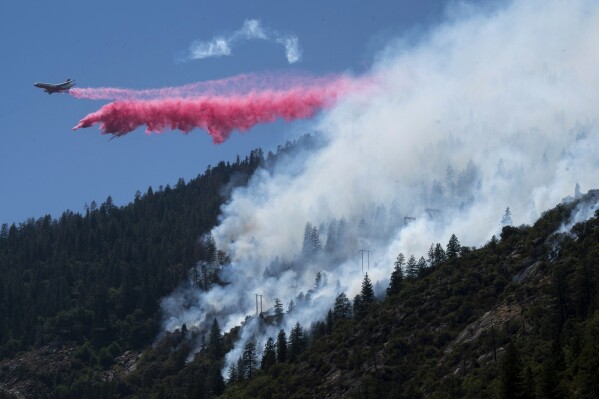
{"type": "Point", "coordinates": [278, 310]}
{"type": "Point", "coordinates": [281, 347]}
{"type": "Point", "coordinates": [550, 372]}
{"type": "Point", "coordinates": [358, 307]}
{"type": "Point", "coordinates": [342, 308]}
{"type": "Point", "coordinates": [506, 219]}
{"type": "Point", "coordinates": [249, 358]}
{"type": "Point", "coordinates": [307, 249]}
{"type": "Point", "coordinates": [215, 345]}
{"type": "Point", "coordinates": [241, 369]}
{"type": "Point", "coordinates": [439, 254]}
{"type": "Point", "coordinates": [216, 384]}
{"type": "Point", "coordinates": [511, 382]}
{"type": "Point", "coordinates": [396, 280]}
{"type": "Point", "coordinates": [330, 320]}
{"type": "Point", "coordinates": [317, 281]}
{"type": "Point", "coordinates": [411, 267]}
{"type": "Point", "coordinates": [232, 375]}
{"type": "Point", "coordinates": [296, 342]}
{"type": "Point", "coordinates": [311, 245]}
{"type": "Point", "coordinates": [431, 256]}
{"type": "Point", "coordinates": [493, 242]}
{"type": "Point", "coordinates": [269, 356]}
{"type": "Point", "coordinates": [290, 307]}
{"type": "Point", "coordinates": [421, 266]}
{"type": "Point", "coordinates": [315, 241]}
{"type": "Point", "coordinates": [367, 292]}
{"type": "Point", "coordinates": [331, 243]}
{"type": "Point", "coordinates": [4, 232]}
{"type": "Point", "coordinates": [577, 193]}
{"type": "Point", "coordinates": [453, 248]}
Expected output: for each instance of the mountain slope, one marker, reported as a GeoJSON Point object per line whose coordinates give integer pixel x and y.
{"type": "Point", "coordinates": [445, 335]}
{"type": "Point", "coordinates": [516, 318]}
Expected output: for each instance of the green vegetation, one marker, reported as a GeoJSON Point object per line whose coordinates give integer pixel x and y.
{"type": "Point", "coordinates": [88, 285]}
{"type": "Point", "coordinates": [517, 318]}
{"type": "Point", "coordinates": [79, 311]}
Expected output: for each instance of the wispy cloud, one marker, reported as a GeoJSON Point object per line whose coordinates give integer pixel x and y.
{"type": "Point", "coordinates": [252, 29]}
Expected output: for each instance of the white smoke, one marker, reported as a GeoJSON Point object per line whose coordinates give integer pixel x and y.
{"type": "Point", "coordinates": [252, 29]}
{"type": "Point", "coordinates": [583, 211]}
{"type": "Point", "coordinates": [507, 98]}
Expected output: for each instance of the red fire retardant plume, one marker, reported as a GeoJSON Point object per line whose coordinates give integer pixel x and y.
{"type": "Point", "coordinates": [218, 115]}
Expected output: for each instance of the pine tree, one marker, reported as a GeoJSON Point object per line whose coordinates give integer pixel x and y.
{"type": "Point", "coordinates": [281, 347]}
{"type": "Point", "coordinates": [506, 220]}
{"type": "Point", "coordinates": [431, 256]}
{"type": "Point", "coordinates": [241, 369]}
{"type": "Point", "coordinates": [315, 241]}
{"type": "Point", "coordinates": [331, 320]}
{"type": "Point", "coordinates": [290, 307]}
{"type": "Point", "coordinates": [453, 247]}
{"type": "Point", "coordinates": [358, 307]}
{"type": "Point", "coordinates": [411, 267]}
{"type": "Point", "coordinates": [367, 292]}
{"type": "Point", "coordinates": [317, 281]}
{"type": "Point", "coordinates": [278, 310]}
{"type": "Point", "coordinates": [249, 358]}
{"type": "Point", "coordinates": [511, 383]}
{"type": "Point", "coordinates": [296, 342]}
{"type": "Point", "coordinates": [550, 371]}
{"type": "Point", "coordinates": [215, 345]}
{"type": "Point", "coordinates": [342, 308]}
{"type": "Point", "coordinates": [396, 280]}
{"type": "Point", "coordinates": [421, 266]}
{"type": "Point", "coordinates": [216, 384]}
{"type": "Point", "coordinates": [577, 193]}
{"type": "Point", "coordinates": [439, 254]}
{"type": "Point", "coordinates": [307, 244]}
{"type": "Point", "coordinates": [269, 356]}
{"type": "Point", "coordinates": [233, 375]}
{"type": "Point", "coordinates": [331, 243]}
{"type": "Point", "coordinates": [493, 242]}
{"type": "Point", "coordinates": [311, 245]}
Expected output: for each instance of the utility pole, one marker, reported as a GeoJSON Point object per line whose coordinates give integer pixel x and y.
{"type": "Point", "coordinates": [258, 295]}
{"type": "Point", "coordinates": [368, 252]}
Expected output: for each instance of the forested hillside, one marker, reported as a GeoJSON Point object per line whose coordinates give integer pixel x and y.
{"type": "Point", "coordinates": [93, 281]}
{"type": "Point", "coordinates": [79, 310]}
{"type": "Point", "coordinates": [518, 318]}
{"type": "Point", "coordinates": [99, 275]}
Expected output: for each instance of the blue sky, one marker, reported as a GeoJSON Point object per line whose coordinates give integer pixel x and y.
{"type": "Point", "coordinates": [46, 168]}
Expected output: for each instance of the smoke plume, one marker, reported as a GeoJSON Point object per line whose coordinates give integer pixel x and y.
{"type": "Point", "coordinates": [219, 114]}
{"type": "Point", "coordinates": [252, 29]}
{"type": "Point", "coordinates": [492, 109]}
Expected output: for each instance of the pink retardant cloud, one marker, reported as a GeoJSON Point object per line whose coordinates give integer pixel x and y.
{"type": "Point", "coordinates": [218, 115]}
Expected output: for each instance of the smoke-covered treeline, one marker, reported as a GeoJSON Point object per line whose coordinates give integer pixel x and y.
{"type": "Point", "coordinates": [494, 108]}
{"type": "Point", "coordinates": [515, 318]}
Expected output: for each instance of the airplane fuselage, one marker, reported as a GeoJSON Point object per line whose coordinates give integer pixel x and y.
{"type": "Point", "coordinates": [56, 88]}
